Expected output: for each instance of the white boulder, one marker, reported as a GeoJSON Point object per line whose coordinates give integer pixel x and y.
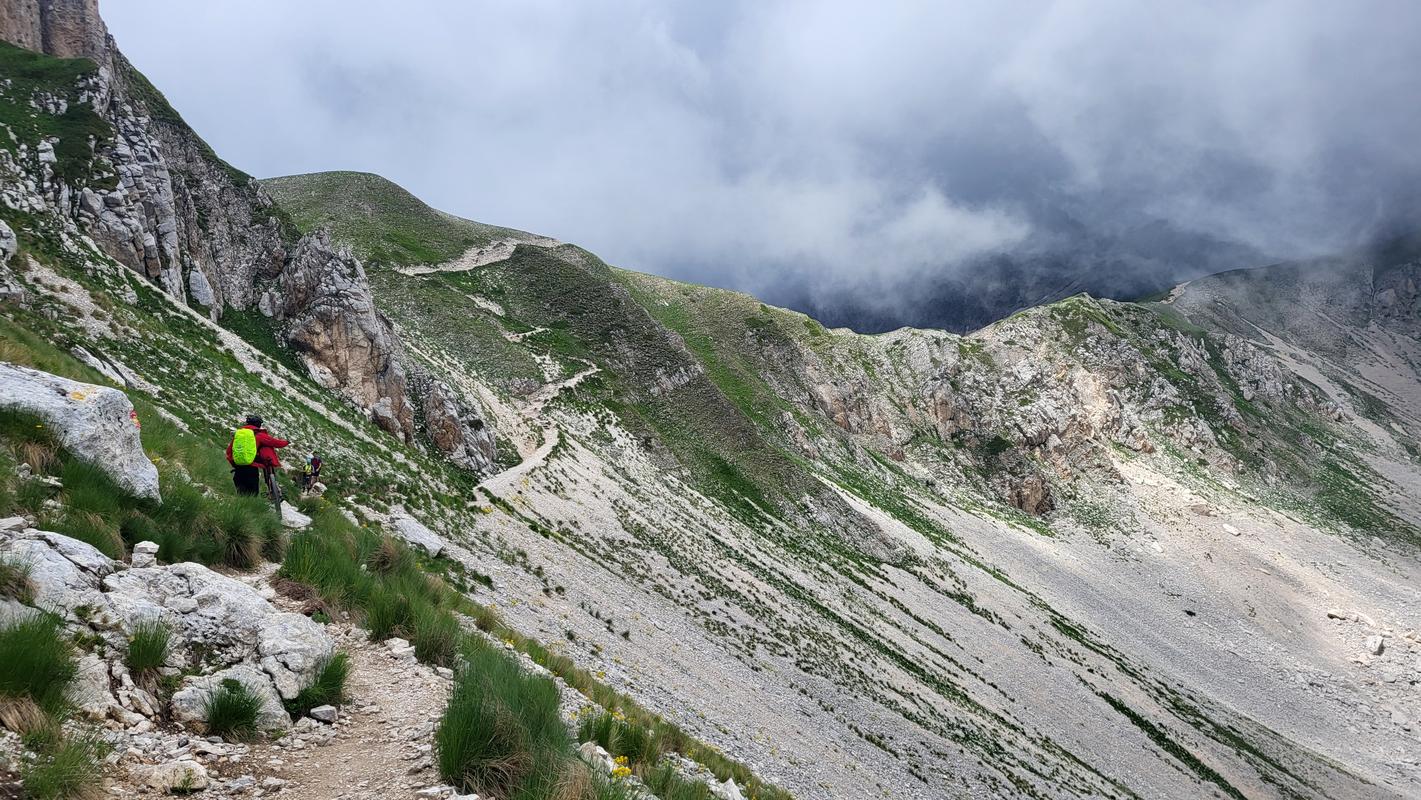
{"type": "Point", "coordinates": [94, 423]}
{"type": "Point", "coordinates": [413, 531]}
{"type": "Point", "coordinates": [727, 790]}
{"type": "Point", "coordinates": [596, 756]}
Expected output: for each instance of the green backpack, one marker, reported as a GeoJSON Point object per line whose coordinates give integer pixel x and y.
{"type": "Point", "coordinates": [244, 447]}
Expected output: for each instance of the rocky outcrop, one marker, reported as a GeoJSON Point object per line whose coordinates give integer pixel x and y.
{"type": "Point", "coordinates": [456, 427]}
{"type": "Point", "coordinates": [323, 304]}
{"type": "Point", "coordinates": [160, 202]}
{"type": "Point", "coordinates": [94, 423]}
{"type": "Point", "coordinates": [221, 628]}
{"type": "Point", "coordinates": [64, 28]}
{"type": "Point", "coordinates": [222, 619]}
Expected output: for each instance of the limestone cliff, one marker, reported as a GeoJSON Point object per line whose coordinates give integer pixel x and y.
{"type": "Point", "coordinates": [152, 195]}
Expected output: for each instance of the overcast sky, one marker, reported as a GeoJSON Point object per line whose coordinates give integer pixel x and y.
{"type": "Point", "coordinates": [838, 145]}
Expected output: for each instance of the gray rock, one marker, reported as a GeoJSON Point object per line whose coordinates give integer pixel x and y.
{"type": "Point", "coordinates": [95, 423]}
{"type": "Point", "coordinates": [596, 756]}
{"type": "Point", "coordinates": [414, 532]}
{"type": "Point", "coordinates": [200, 288]}
{"type": "Point", "coordinates": [325, 713]}
{"type": "Point", "coordinates": [1374, 645]}
{"type": "Point", "coordinates": [292, 518]}
{"type": "Point", "coordinates": [9, 244]}
{"type": "Point", "coordinates": [292, 648]}
{"type": "Point", "coordinates": [12, 611]}
{"type": "Point", "coordinates": [145, 554]}
{"type": "Point", "coordinates": [65, 573]}
{"type": "Point", "coordinates": [728, 790]}
{"type": "Point", "coordinates": [456, 424]}
{"type": "Point", "coordinates": [400, 648]}
{"type": "Point", "coordinates": [90, 692]}
{"type": "Point", "coordinates": [174, 777]}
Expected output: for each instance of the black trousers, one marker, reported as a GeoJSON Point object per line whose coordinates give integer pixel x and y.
{"type": "Point", "coordinates": [248, 480]}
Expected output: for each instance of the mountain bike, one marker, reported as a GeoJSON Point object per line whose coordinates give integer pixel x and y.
{"type": "Point", "coordinates": [273, 489]}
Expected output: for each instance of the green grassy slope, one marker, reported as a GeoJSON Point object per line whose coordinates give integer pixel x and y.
{"type": "Point", "coordinates": [29, 75]}
{"type": "Point", "coordinates": [378, 219]}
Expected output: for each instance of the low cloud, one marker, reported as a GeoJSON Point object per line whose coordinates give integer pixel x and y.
{"type": "Point", "coordinates": [815, 150]}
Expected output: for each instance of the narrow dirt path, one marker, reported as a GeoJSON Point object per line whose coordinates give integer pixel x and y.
{"type": "Point", "coordinates": [505, 480]}
{"type": "Point", "coordinates": [382, 744]}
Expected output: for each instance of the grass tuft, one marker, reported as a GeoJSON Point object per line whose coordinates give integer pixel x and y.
{"type": "Point", "coordinates": [147, 647]}
{"type": "Point", "coordinates": [434, 633]}
{"type": "Point", "coordinates": [232, 712]}
{"type": "Point", "coordinates": [39, 663]}
{"type": "Point", "coordinates": [15, 581]}
{"type": "Point", "coordinates": [387, 613]}
{"type": "Point", "coordinates": [68, 770]}
{"type": "Point", "coordinates": [666, 783]}
{"type": "Point", "coordinates": [501, 733]}
{"type": "Point", "coordinates": [389, 557]}
{"type": "Point", "coordinates": [326, 689]}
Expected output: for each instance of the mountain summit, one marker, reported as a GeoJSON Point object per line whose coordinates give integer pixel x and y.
{"type": "Point", "coordinates": [1094, 549]}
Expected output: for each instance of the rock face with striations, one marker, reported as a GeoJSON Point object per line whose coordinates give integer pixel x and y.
{"type": "Point", "coordinates": [455, 426]}
{"type": "Point", "coordinates": [65, 28]}
{"type": "Point", "coordinates": [322, 302]}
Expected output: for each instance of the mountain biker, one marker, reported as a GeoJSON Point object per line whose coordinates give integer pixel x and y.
{"type": "Point", "coordinates": [247, 478]}
{"type": "Point", "coordinates": [310, 473]}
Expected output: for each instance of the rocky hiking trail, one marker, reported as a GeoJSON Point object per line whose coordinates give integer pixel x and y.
{"type": "Point", "coordinates": [378, 744]}
{"type": "Point", "coordinates": [383, 736]}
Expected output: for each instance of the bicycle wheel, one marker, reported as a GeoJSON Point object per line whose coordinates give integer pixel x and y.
{"type": "Point", "coordinates": [273, 491]}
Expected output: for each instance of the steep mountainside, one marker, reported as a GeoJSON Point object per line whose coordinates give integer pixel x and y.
{"type": "Point", "coordinates": [891, 515]}
{"type": "Point", "coordinates": [1096, 549]}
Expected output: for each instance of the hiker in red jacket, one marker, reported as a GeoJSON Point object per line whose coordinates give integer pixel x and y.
{"type": "Point", "coordinates": [247, 479]}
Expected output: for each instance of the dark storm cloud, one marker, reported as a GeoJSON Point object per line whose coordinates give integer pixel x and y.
{"type": "Point", "coordinates": [821, 149]}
